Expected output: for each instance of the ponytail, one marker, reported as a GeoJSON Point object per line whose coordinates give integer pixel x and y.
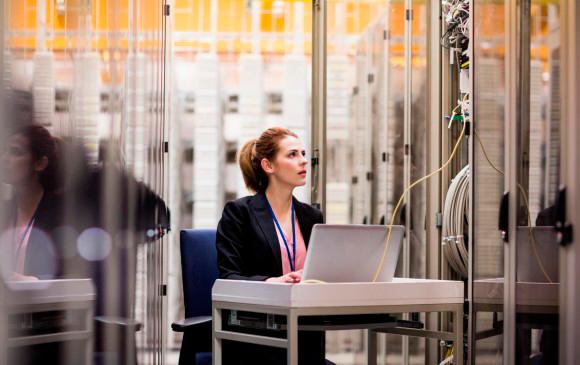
{"type": "Point", "coordinates": [251, 172]}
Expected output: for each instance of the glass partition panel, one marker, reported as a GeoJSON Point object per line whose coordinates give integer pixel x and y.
{"type": "Point", "coordinates": [364, 125]}
{"type": "Point", "coordinates": [537, 249]}
{"type": "Point", "coordinates": [366, 138]}
{"type": "Point", "coordinates": [419, 123]}
{"type": "Point", "coordinates": [239, 67]}
{"type": "Point", "coordinates": [488, 180]}
{"type": "Point", "coordinates": [84, 180]}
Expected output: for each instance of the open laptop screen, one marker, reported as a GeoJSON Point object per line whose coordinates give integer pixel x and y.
{"type": "Point", "coordinates": [351, 253]}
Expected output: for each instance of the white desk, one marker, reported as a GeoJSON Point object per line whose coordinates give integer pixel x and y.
{"type": "Point", "coordinates": [293, 301]}
{"type": "Point", "coordinates": [28, 297]}
{"type": "Point", "coordinates": [535, 299]}
{"type": "Point", "coordinates": [488, 295]}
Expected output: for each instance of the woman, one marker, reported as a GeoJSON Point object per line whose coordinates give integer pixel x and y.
{"type": "Point", "coordinates": [264, 237]}
{"type": "Point", "coordinates": [29, 167]}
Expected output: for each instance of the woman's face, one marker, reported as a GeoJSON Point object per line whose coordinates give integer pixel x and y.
{"type": "Point", "coordinates": [289, 164]}
{"type": "Point", "coordinates": [18, 165]}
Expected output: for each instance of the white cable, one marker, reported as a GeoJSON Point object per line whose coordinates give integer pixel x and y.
{"type": "Point", "coordinates": [453, 13]}
{"type": "Point", "coordinates": [455, 208]}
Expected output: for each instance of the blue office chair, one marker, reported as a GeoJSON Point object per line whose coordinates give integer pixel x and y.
{"type": "Point", "coordinates": [199, 271]}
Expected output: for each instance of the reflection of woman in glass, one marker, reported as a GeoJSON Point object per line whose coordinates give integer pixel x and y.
{"type": "Point", "coordinates": [29, 167]}
{"type": "Point", "coordinates": [264, 237]}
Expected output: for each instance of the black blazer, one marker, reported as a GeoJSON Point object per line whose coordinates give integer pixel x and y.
{"type": "Point", "coordinates": [43, 253]}
{"type": "Point", "coordinates": [247, 243]}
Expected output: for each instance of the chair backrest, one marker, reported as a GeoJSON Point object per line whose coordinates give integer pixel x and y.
{"type": "Point", "coordinates": [198, 269]}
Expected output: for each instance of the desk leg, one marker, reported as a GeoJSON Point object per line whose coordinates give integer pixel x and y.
{"type": "Point", "coordinates": [216, 342]}
{"type": "Point", "coordinates": [371, 347]}
{"type": "Point", "coordinates": [458, 330]}
{"type": "Point", "coordinates": [89, 351]}
{"type": "Point", "coordinates": [292, 337]}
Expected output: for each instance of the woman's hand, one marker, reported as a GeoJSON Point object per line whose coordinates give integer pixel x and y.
{"type": "Point", "coordinates": [20, 277]}
{"type": "Point", "coordinates": [292, 278]}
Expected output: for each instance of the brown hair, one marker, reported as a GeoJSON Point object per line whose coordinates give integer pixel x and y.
{"type": "Point", "coordinates": [254, 151]}
{"type": "Point", "coordinates": [43, 144]}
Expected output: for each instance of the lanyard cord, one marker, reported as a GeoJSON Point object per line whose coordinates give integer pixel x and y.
{"type": "Point", "coordinates": [24, 234]}
{"type": "Point", "coordinates": [292, 258]}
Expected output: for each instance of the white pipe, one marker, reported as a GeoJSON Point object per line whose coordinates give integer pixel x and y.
{"type": "Point", "coordinates": [41, 25]}
{"type": "Point", "coordinates": [256, 7]}
{"type": "Point", "coordinates": [214, 25]}
{"type": "Point", "coordinates": [298, 28]}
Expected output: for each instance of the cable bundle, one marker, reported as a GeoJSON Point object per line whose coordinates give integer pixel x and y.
{"type": "Point", "coordinates": [454, 221]}
{"type": "Point", "coordinates": [457, 204]}
{"type": "Point", "coordinates": [456, 15]}
{"type": "Point", "coordinates": [456, 37]}
{"type": "Point", "coordinates": [464, 116]}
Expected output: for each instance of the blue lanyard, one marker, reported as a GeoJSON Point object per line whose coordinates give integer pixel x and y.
{"type": "Point", "coordinates": [292, 258]}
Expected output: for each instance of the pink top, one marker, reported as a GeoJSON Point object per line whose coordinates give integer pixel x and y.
{"type": "Point", "coordinates": [21, 247]}
{"type": "Point", "coordinates": [300, 249]}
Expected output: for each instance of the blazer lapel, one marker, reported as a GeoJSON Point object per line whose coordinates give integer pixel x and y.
{"type": "Point", "coordinates": [267, 226]}
{"type": "Point", "coordinates": [305, 221]}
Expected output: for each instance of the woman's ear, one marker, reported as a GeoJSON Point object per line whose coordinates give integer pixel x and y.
{"type": "Point", "coordinates": [267, 166]}
{"type": "Point", "coordinates": [41, 164]}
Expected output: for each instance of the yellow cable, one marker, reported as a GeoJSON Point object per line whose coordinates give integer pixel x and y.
{"type": "Point", "coordinates": [390, 229]}
{"type": "Point", "coordinates": [312, 281]}
{"type": "Point", "coordinates": [524, 196]}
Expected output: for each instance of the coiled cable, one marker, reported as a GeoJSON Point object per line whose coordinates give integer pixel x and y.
{"type": "Point", "coordinates": [461, 105]}
{"type": "Point", "coordinates": [455, 209]}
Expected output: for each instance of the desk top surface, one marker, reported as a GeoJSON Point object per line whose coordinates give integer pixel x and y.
{"type": "Point", "coordinates": [401, 291]}
{"type": "Point", "coordinates": [49, 291]}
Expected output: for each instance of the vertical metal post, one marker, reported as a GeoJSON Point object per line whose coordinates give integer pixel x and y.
{"type": "Point", "coordinates": [570, 255]}
{"type": "Point", "coordinates": [89, 314]}
{"type": "Point", "coordinates": [292, 337]}
{"type": "Point", "coordinates": [512, 115]}
{"type": "Point", "coordinates": [318, 126]}
{"type": "Point", "coordinates": [471, 318]}
{"type": "Point", "coordinates": [166, 129]}
{"type": "Point", "coordinates": [3, 312]}
{"type": "Point", "coordinates": [523, 145]}
{"type": "Point", "coordinates": [458, 330]}
{"type": "Point", "coordinates": [216, 342]}
{"type": "Point", "coordinates": [371, 347]}
{"type": "Point", "coordinates": [408, 153]}
{"type": "Point", "coordinates": [433, 250]}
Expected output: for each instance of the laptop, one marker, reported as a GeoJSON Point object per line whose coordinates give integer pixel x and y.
{"type": "Point", "coordinates": [351, 253]}
{"type": "Point", "coordinates": [543, 248]}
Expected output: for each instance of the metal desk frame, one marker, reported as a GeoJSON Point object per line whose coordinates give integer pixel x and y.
{"type": "Point", "coordinates": [44, 300]}
{"type": "Point", "coordinates": [290, 343]}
